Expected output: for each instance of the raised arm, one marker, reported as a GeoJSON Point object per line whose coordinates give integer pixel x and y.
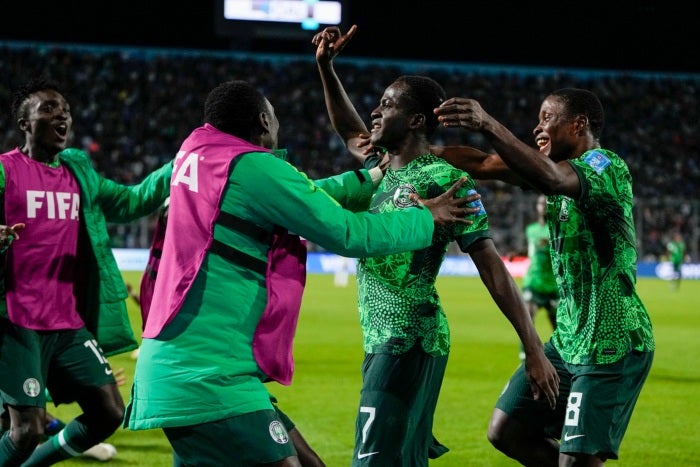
{"type": "Point", "coordinates": [342, 113]}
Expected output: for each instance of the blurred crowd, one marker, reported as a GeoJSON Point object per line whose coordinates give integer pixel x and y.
{"type": "Point", "coordinates": [133, 107]}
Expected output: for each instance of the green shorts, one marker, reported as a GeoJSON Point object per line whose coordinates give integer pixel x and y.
{"type": "Point", "coordinates": [548, 301]}
{"type": "Point", "coordinates": [64, 362]}
{"type": "Point", "coordinates": [594, 406]}
{"type": "Point", "coordinates": [244, 440]}
{"type": "Point", "coordinates": [399, 395]}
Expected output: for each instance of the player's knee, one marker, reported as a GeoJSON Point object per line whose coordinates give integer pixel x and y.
{"type": "Point", "coordinates": [495, 431]}
{"type": "Point", "coordinates": [26, 436]}
{"type": "Point", "coordinates": [114, 416]}
{"type": "Point", "coordinates": [500, 432]}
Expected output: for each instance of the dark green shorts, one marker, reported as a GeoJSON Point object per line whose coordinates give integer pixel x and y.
{"type": "Point", "coordinates": [548, 301]}
{"type": "Point", "coordinates": [245, 440]}
{"type": "Point", "coordinates": [64, 362]}
{"type": "Point", "coordinates": [399, 395]}
{"type": "Point", "coordinates": [594, 406]}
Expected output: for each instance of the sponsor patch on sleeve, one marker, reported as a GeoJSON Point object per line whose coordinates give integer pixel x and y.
{"type": "Point", "coordinates": [597, 160]}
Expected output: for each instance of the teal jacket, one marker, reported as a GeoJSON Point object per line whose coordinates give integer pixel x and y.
{"type": "Point", "coordinates": [101, 289]}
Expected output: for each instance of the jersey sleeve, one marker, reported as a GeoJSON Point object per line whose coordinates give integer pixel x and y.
{"type": "Point", "coordinates": [277, 193]}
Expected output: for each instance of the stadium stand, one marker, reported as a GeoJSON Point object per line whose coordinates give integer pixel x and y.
{"type": "Point", "coordinates": [133, 106]}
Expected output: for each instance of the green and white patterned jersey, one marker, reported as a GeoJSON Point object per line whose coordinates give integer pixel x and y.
{"type": "Point", "coordinates": [398, 302]}
{"type": "Point", "coordinates": [600, 316]}
{"type": "Point", "coordinates": [676, 252]}
{"type": "Point", "coordinates": [539, 276]}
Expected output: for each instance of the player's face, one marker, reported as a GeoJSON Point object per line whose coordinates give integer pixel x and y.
{"type": "Point", "coordinates": [270, 140]}
{"type": "Point", "coordinates": [390, 120]}
{"type": "Point", "coordinates": [46, 123]}
{"type": "Point", "coordinates": [555, 133]}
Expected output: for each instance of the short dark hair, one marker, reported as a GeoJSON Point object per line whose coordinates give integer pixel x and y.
{"type": "Point", "coordinates": [233, 107]}
{"type": "Point", "coordinates": [426, 93]}
{"type": "Point", "coordinates": [583, 102]}
{"type": "Point", "coordinates": [22, 94]}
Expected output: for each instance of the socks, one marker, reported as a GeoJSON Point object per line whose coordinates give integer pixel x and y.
{"type": "Point", "coordinates": [10, 456]}
{"type": "Point", "coordinates": [53, 427]}
{"type": "Point", "coordinates": [69, 442]}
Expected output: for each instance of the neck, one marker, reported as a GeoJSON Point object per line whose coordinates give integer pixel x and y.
{"type": "Point", "coordinates": [407, 154]}
{"type": "Point", "coordinates": [42, 156]}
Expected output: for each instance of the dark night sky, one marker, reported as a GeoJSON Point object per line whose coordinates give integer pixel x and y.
{"type": "Point", "coordinates": [615, 34]}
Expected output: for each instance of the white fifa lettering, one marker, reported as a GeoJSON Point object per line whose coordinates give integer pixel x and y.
{"type": "Point", "coordinates": [75, 207]}
{"type": "Point", "coordinates": [34, 203]}
{"type": "Point", "coordinates": [66, 205]}
{"type": "Point", "coordinates": [186, 171]}
{"type": "Point", "coordinates": [63, 204]}
{"type": "Point", "coordinates": [50, 206]}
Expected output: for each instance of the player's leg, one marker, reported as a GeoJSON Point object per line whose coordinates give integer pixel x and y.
{"type": "Point", "coordinates": [256, 438]}
{"type": "Point", "coordinates": [80, 373]}
{"type": "Point", "coordinates": [551, 308]}
{"type": "Point", "coordinates": [421, 444]}
{"type": "Point", "coordinates": [599, 408]}
{"type": "Point", "coordinates": [526, 429]}
{"type": "Point", "coordinates": [22, 372]}
{"type": "Point", "coordinates": [307, 456]}
{"type": "Point", "coordinates": [391, 384]}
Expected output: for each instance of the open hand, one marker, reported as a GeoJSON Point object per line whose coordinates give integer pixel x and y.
{"type": "Point", "coordinates": [8, 234]}
{"type": "Point", "coordinates": [446, 209]}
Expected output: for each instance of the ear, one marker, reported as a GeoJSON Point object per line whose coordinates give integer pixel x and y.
{"type": "Point", "coordinates": [580, 124]}
{"type": "Point", "coordinates": [264, 122]}
{"type": "Point", "coordinates": [23, 124]}
{"type": "Point", "coordinates": [417, 120]}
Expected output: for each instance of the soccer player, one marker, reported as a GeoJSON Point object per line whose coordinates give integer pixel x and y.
{"type": "Point", "coordinates": [62, 310]}
{"type": "Point", "coordinates": [676, 255]}
{"type": "Point", "coordinates": [228, 290]}
{"type": "Point", "coordinates": [307, 456]}
{"type": "Point", "coordinates": [603, 345]}
{"type": "Point", "coordinates": [406, 335]}
{"type": "Point", "coordinates": [539, 284]}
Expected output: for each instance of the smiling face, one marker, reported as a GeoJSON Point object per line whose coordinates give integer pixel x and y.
{"type": "Point", "coordinates": [391, 119]}
{"type": "Point", "coordinates": [556, 134]}
{"type": "Point", "coordinates": [46, 122]}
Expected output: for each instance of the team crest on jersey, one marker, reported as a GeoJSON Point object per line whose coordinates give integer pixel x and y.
{"type": "Point", "coordinates": [564, 209]}
{"type": "Point", "coordinates": [31, 387]}
{"type": "Point", "coordinates": [402, 195]}
{"type": "Point", "coordinates": [597, 160]}
{"type": "Point", "coordinates": [278, 433]}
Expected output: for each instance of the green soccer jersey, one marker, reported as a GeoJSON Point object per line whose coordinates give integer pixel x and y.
{"type": "Point", "coordinates": [398, 303]}
{"type": "Point", "coordinates": [676, 251]}
{"type": "Point", "coordinates": [600, 316]}
{"type": "Point", "coordinates": [539, 276]}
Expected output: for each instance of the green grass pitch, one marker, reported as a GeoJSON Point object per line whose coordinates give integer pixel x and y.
{"type": "Point", "coordinates": [322, 399]}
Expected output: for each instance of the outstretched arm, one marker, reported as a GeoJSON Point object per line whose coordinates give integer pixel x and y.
{"type": "Point", "coordinates": [479, 164]}
{"type": "Point", "coordinates": [540, 171]}
{"type": "Point", "coordinates": [343, 115]}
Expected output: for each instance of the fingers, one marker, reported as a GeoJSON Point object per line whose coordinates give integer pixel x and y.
{"type": "Point", "coordinates": [333, 37]}
{"type": "Point", "coordinates": [549, 393]}
{"type": "Point", "coordinates": [455, 186]}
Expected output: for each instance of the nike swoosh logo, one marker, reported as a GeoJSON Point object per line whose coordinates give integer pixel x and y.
{"type": "Point", "coordinates": [367, 454]}
{"type": "Point", "coordinates": [568, 437]}
{"type": "Point", "coordinates": [108, 371]}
